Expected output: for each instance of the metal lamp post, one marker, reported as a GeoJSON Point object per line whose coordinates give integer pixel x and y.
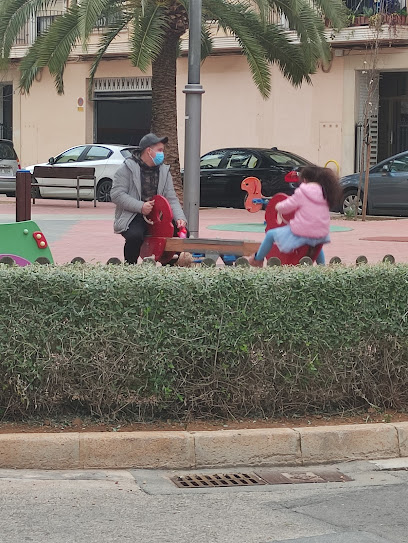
{"type": "Point", "coordinates": [192, 147]}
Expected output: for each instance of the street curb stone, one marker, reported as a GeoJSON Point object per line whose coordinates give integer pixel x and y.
{"type": "Point", "coordinates": [247, 447]}
{"type": "Point", "coordinates": [402, 429]}
{"type": "Point", "coordinates": [39, 451]}
{"type": "Point", "coordinates": [206, 449]}
{"type": "Point", "coordinates": [137, 449]}
{"type": "Point", "coordinates": [349, 442]}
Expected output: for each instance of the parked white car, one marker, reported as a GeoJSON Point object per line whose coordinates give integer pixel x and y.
{"type": "Point", "coordinates": [106, 159]}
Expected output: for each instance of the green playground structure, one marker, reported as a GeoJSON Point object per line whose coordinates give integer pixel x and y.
{"type": "Point", "coordinates": [23, 243]}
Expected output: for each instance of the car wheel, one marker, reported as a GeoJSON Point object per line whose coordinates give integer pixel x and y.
{"type": "Point", "coordinates": [103, 190]}
{"type": "Point", "coordinates": [349, 203]}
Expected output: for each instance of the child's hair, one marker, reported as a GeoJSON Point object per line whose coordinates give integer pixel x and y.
{"type": "Point", "coordinates": [327, 179]}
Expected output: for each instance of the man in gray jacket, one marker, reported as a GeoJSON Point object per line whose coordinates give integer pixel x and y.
{"type": "Point", "coordinates": [141, 177]}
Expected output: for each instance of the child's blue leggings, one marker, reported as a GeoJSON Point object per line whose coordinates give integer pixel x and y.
{"type": "Point", "coordinates": [267, 243]}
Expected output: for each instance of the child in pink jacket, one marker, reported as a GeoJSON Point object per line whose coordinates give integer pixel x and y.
{"type": "Point", "coordinates": [318, 192]}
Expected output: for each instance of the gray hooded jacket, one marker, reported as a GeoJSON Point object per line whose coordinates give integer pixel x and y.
{"type": "Point", "coordinates": [126, 193]}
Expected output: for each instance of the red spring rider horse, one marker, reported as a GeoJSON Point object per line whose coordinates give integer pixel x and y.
{"type": "Point", "coordinates": [271, 219]}
{"type": "Point", "coordinates": [161, 227]}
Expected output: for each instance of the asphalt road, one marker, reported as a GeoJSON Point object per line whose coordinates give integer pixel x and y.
{"type": "Point", "coordinates": [145, 506]}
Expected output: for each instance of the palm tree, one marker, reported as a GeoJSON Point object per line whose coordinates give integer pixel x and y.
{"type": "Point", "coordinates": [156, 29]}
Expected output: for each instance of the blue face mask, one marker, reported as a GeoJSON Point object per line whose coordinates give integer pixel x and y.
{"type": "Point", "coordinates": [158, 158]}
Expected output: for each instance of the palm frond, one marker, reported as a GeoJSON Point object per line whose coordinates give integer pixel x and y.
{"type": "Point", "coordinates": [334, 10]}
{"type": "Point", "coordinates": [30, 66]}
{"type": "Point", "coordinates": [237, 17]}
{"type": "Point", "coordinates": [288, 56]}
{"type": "Point", "coordinates": [52, 49]}
{"type": "Point", "coordinates": [206, 41]}
{"type": "Point", "coordinates": [148, 35]}
{"type": "Point", "coordinates": [89, 13]}
{"type": "Point", "coordinates": [113, 30]}
{"type": "Point", "coordinates": [14, 14]}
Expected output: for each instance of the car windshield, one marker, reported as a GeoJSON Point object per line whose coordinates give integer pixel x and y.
{"type": "Point", "coordinates": [7, 151]}
{"type": "Point", "coordinates": [286, 159]}
{"type": "Point", "coordinates": [127, 153]}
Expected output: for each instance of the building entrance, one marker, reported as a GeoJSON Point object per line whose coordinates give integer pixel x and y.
{"type": "Point", "coordinates": [122, 109]}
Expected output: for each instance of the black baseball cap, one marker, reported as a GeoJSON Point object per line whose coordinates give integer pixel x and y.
{"type": "Point", "coordinates": [151, 139]}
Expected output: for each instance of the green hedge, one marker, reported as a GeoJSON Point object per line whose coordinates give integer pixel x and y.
{"type": "Point", "coordinates": [144, 342]}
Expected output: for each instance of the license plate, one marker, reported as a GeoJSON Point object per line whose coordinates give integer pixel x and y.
{"type": "Point", "coordinates": [5, 171]}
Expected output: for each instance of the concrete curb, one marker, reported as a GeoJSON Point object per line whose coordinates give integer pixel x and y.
{"type": "Point", "coordinates": [191, 450]}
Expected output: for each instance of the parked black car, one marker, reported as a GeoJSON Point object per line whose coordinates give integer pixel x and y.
{"type": "Point", "coordinates": [223, 170]}
{"type": "Point", "coordinates": [387, 188]}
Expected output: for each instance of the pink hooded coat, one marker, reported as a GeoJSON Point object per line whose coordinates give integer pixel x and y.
{"type": "Point", "coordinates": [312, 214]}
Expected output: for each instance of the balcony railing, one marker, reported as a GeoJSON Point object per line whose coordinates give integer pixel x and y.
{"type": "Point", "coordinates": [367, 12]}
{"type": "Point", "coordinates": [36, 26]}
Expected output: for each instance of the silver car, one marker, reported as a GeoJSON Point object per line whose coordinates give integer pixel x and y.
{"type": "Point", "coordinates": [8, 167]}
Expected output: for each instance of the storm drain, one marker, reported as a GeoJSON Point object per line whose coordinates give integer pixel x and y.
{"type": "Point", "coordinates": [204, 480]}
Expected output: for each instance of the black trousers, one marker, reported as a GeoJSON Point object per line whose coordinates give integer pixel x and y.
{"type": "Point", "coordinates": [134, 237]}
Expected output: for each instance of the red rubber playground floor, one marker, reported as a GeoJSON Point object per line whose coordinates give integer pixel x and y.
{"type": "Point", "coordinates": [87, 232]}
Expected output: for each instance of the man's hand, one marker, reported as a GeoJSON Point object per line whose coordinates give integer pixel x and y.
{"type": "Point", "coordinates": [147, 207]}
{"type": "Point", "coordinates": [180, 223]}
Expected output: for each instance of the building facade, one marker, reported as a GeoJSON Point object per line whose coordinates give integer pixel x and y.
{"type": "Point", "coordinates": [321, 121]}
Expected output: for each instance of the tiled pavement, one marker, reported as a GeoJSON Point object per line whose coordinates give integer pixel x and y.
{"type": "Point", "coordinates": [88, 231]}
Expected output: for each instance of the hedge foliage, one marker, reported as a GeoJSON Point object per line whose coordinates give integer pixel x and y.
{"type": "Point", "coordinates": [144, 342]}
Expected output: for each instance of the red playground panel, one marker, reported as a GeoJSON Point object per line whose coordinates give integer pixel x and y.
{"type": "Point", "coordinates": [160, 228]}
{"type": "Point", "coordinates": [271, 219]}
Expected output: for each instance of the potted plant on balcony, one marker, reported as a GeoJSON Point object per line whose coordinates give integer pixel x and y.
{"type": "Point", "coordinates": [366, 15]}
{"type": "Point", "coordinates": [351, 17]}
{"type": "Point", "coordinates": [402, 16]}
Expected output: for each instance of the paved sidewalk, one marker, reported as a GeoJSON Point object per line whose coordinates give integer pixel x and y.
{"type": "Point", "coordinates": [88, 231]}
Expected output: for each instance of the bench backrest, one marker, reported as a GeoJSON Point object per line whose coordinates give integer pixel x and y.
{"type": "Point", "coordinates": [61, 172]}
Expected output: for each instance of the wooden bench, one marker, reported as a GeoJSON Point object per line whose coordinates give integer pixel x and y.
{"type": "Point", "coordinates": [61, 172]}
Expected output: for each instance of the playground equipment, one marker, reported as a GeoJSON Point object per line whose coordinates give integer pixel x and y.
{"type": "Point", "coordinates": [255, 201]}
{"type": "Point", "coordinates": [271, 219]}
{"type": "Point", "coordinates": [162, 244]}
{"type": "Point", "coordinates": [334, 162]}
{"type": "Point", "coordinates": [23, 243]}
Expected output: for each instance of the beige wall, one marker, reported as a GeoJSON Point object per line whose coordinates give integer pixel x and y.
{"type": "Point", "coordinates": [316, 121]}
{"type": "Point", "coordinates": [235, 114]}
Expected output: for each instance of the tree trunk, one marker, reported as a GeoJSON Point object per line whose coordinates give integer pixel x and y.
{"type": "Point", "coordinates": [164, 105]}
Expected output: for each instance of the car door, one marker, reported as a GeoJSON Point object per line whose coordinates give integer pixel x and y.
{"type": "Point", "coordinates": [67, 159]}
{"type": "Point", "coordinates": [388, 187]}
{"type": "Point", "coordinates": [96, 156]}
{"type": "Point", "coordinates": [211, 169]}
{"type": "Point", "coordinates": [239, 164]}
{"type": "Point", "coordinates": [274, 168]}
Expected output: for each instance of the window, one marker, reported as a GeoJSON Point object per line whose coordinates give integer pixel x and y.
{"type": "Point", "coordinates": [242, 159]}
{"type": "Point", "coordinates": [212, 160]}
{"type": "Point", "coordinates": [399, 164]}
{"type": "Point", "coordinates": [7, 151]}
{"type": "Point", "coordinates": [127, 153]}
{"type": "Point", "coordinates": [97, 153]}
{"type": "Point", "coordinates": [71, 155]}
{"type": "Point", "coordinates": [285, 159]}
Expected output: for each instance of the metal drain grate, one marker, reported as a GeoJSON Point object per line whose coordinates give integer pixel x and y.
{"type": "Point", "coordinates": [264, 477]}
{"type": "Point", "coordinates": [296, 477]}
{"type": "Point", "coordinates": [203, 480]}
